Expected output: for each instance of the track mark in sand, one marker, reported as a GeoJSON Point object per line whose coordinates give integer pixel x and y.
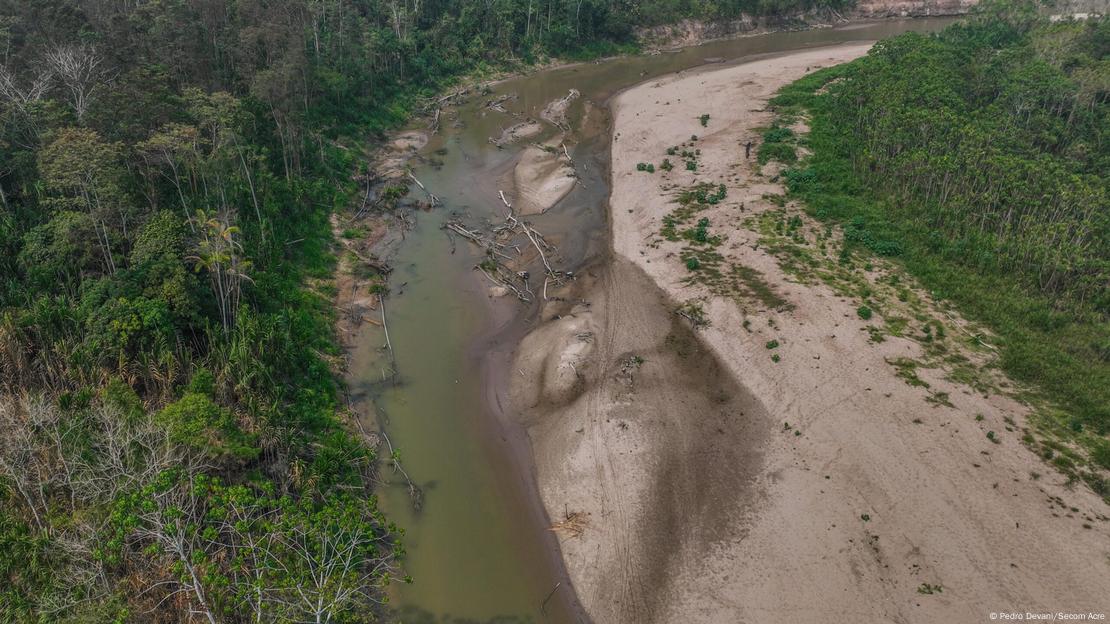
{"type": "Point", "coordinates": [630, 583]}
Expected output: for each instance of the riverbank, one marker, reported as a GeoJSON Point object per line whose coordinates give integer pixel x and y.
{"type": "Point", "coordinates": [783, 458]}
{"type": "Point", "coordinates": [434, 284]}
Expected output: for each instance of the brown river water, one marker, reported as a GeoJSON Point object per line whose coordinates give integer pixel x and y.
{"type": "Point", "coordinates": [480, 550]}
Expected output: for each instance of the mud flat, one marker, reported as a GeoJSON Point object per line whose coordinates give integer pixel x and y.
{"type": "Point", "coordinates": [789, 461]}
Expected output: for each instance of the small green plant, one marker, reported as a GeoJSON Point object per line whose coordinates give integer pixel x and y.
{"type": "Point", "coordinates": [993, 437]}
{"type": "Point", "coordinates": [701, 233]}
{"type": "Point", "coordinates": [864, 312]}
{"type": "Point", "coordinates": [671, 151]}
{"type": "Point", "coordinates": [772, 344]}
{"type": "Point", "coordinates": [694, 312]}
{"type": "Point", "coordinates": [691, 165]}
{"type": "Point", "coordinates": [666, 165]}
{"type": "Point", "coordinates": [648, 167]}
{"type": "Point", "coordinates": [775, 358]}
{"type": "Point", "coordinates": [693, 264]}
{"type": "Point", "coordinates": [929, 590]}
{"type": "Point", "coordinates": [865, 517]}
{"type": "Point", "coordinates": [704, 119]}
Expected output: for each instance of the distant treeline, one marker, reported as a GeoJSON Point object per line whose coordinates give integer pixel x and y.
{"type": "Point", "coordinates": [980, 157]}
{"type": "Point", "coordinates": [172, 444]}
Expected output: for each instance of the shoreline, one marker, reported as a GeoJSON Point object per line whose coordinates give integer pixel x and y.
{"type": "Point", "coordinates": [854, 21]}
{"type": "Point", "coordinates": [493, 352]}
{"type": "Point", "coordinates": [790, 552]}
{"type": "Point", "coordinates": [494, 374]}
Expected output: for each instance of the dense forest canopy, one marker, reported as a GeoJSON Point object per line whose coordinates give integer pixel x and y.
{"type": "Point", "coordinates": [171, 434]}
{"type": "Point", "coordinates": [980, 157]}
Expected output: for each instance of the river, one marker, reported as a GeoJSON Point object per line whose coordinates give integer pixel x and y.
{"type": "Point", "coordinates": [479, 549]}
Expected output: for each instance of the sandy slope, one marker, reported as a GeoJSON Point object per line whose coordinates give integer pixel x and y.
{"type": "Point", "coordinates": [702, 506]}
{"type": "Point", "coordinates": [541, 178]}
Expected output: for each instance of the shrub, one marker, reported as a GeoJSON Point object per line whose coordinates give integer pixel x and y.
{"type": "Point", "coordinates": [864, 312]}
{"type": "Point", "coordinates": [197, 422]}
{"type": "Point", "coordinates": [781, 152]}
{"type": "Point", "coordinates": [778, 134]}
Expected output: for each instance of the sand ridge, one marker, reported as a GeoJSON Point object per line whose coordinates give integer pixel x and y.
{"type": "Point", "coordinates": [721, 486]}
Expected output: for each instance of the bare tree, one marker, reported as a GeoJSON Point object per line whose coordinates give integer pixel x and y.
{"type": "Point", "coordinates": [21, 96]}
{"type": "Point", "coordinates": [337, 566]}
{"type": "Point", "coordinates": [81, 69]}
{"type": "Point", "coordinates": [170, 521]}
{"type": "Point", "coordinates": [27, 460]}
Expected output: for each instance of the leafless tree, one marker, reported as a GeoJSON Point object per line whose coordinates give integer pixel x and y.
{"type": "Point", "coordinates": [81, 69]}
{"type": "Point", "coordinates": [27, 460]}
{"type": "Point", "coordinates": [21, 96]}
{"type": "Point", "coordinates": [170, 522]}
{"type": "Point", "coordinates": [334, 572]}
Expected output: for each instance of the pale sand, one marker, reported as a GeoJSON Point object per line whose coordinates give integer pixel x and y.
{"type": "Point", "coordinates": [541, 178]}
{"type": "Point", "coordinates": [544, 174]}
{"type": "Point", "coordinates": [702, 508]}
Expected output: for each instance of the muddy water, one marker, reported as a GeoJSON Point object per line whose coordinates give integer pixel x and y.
{"type": "Point", "coordinates": [479, 549]}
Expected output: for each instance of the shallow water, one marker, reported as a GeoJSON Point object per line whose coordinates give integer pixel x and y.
{"type": "Point", "coordinates": [479, 550]}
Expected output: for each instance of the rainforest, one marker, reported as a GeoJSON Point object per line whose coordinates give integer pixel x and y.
{"type": "Point", "coordinates": [185, 186]}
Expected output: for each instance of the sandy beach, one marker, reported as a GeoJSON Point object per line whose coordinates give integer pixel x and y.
{"type": "Point", "coordinates": [835, 476]}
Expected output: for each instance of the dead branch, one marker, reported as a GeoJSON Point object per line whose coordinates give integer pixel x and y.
{"type": "Point", "coordinates": [434, 126]}
{"type": "Point", "coordinates": [450, 96]}
{"type": "Point", "coordinates": [435, 200]}
{"type": "Point", "coordinates": [415, 494]}
{"type": "Point", "coordinates": [573, 524]}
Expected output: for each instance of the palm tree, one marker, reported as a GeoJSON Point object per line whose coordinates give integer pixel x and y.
{"type": "Point", "coordinates": [220, 254]}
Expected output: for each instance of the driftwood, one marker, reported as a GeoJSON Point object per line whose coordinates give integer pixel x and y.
{"type": "Point", "coordinates": [434, 126]}
{"type": "Point", "coordinates": [573, 524]}
{"type": "Point", "coordinates": [498, 103]}
{"type": "Point", "coordinates": [431, 195]}
{"type": "Point", "coordinates": [543, 605]}
{"type": "Point", "coordinates": [532, 236]}
{"type": "Point", "coordinates": [513, 132]}
{"type": "Point", "coordinates": [385, 327]}
{"type": "Point", "coordinates": [500, 240]}
{"type": "Point", "coordinates": [446, 98]}
{"type": "Point", "coordinates": [555, 112]}
{"type": "Point", "coordinates": [415, 494]}
{"type": "Point", "coordinates": [378, 265]}
{"type": "Point", "coordinates": [526, 297]}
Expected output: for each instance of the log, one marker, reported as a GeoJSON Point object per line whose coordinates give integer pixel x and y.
{"type": "Point", "coordinates": [435, 200]}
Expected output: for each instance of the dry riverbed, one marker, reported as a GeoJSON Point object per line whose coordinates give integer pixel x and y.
{"type": "Point", "coordinates": [789, 460]}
